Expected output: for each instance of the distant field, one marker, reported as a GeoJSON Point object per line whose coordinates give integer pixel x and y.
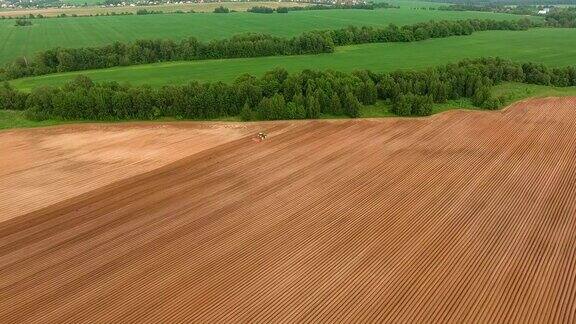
{"type": "Point", "coordinates": [551, 49]}
{"type": "Point", "coordinates": [93, 9]}
{"type": "Point", "coordinates": [92, 31]}
{"type": "Point", "coordinates": [90, 7]}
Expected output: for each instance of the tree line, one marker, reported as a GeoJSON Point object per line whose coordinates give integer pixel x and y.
{"type": "Point", "coordinates": [491, 7]}
{"type": "Point", "coordinates": [98, 14]}
{"type": "Point", "coordinates": [150, 51]}
{"type": "Point", "coordinates": [29, 16]}
{"type": "Point", "coordinates": [23, 22]}
{"type": "Point", "coordinates": [556, 17]}
{"type": "Point", "coordinates": [144, 11]}
{"type": "Point", "coordinates": [261, 9]}
{"type": "Point", "coordinates": [509, 2]}
{"type": "Point", "coordinates": [421, 31]}
{"type": "Point", "coordinates": [280, 95]}
{"type": "Point", "coordinates": [248, 45]}
{"type": "Point", "coordinates": [362, 6]}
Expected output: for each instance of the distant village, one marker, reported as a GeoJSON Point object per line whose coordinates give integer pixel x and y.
{"type": "Point", "coordinates": [19, 4]}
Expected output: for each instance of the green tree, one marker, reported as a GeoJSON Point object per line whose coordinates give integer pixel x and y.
{"type": "Point", "coordinates": [312, 107]}
{"type": "Point", "coordinates": [402, 105]}
{"type": "Point", "coordinates": [368, 93]}
{"type": "Point", "coordinates": [335, 105]}
{"type": "Point", "coordinates": [247, 114]}
{"type": "Point", "coordinates": [351, 105]}
{"type": "Point", "coordinates": [422, 105]}
{"type": "Point", "coordinates": [481, 95]}
{"type": "Point", "coordinates": [272, 108]}
{"type": "Point", "coordinates": [295, 111]}
{"type": "Point", "coordinates": [221, 9]}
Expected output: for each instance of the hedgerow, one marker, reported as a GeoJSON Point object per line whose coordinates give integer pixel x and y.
{"type": "Point", "coordinates": [280, 95]}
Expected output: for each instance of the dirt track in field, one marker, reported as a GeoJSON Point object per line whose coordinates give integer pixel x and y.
{"type": "Point", "coordinates": [461, 217]}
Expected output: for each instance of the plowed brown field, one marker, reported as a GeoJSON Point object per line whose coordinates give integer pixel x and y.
{"type": "Point", "coordinates": [461, 217]}
{"type": "Point", "coordinates": [44, 166]}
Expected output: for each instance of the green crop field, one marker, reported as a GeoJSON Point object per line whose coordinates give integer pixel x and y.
{"type": "Point", "coordinates": [92, 31]}
{"type": "Point", "coordinates": [545, 45]}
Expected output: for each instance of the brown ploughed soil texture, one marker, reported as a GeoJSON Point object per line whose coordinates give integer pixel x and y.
{"type": "Point", "coordinates": [40, 167]}
{"type": "Point", "coordinates": [465, 216]}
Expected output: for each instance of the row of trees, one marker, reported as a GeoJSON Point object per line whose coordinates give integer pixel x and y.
{"type": "Point", "coordinates": [500, 8]}
{"type": "Point", "coordinates": [150, 51]}
{"type": "Point", "coordinates": [23, 22]}
{"type": "Point", "coordinates": [108, 13]}
{"type": "Point", "coordinates": [508, 2]}
{"type": "Point", "coordinates": [557, 17]}
{"type": "Point", "coordinates": [280, 95]}
{"type": "Point", "coordinates": [29, 16]}
{"type": "Point", "coordinates": [249, 45]}
{"type": "Point", "coordinates": [422, 31]}
{"type": "Point", "coordinates": [363, 6]}
{"type": "Point", "coordinates": [145, 11]}
{"type": "Point", "coordinates": [277, 95]}
{"type": "Point", "coordinates": [261, 9]}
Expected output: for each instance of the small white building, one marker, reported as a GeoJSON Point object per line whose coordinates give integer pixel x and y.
{"type": "Point", "coordinates": [544, 11]}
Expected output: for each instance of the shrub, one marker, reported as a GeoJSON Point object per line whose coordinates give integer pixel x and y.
{"type": "Point", "coordinates": [221, 9]}
{"type": "Point", "coordinates": [402, 105]}
{"type": "Point", "coordinates": [481, 95]}
{"type": "Point", "coordinates": [11, 99]}
{"type": "Point", "coordinates": [23, 22]}
{"type": "Point", "coordinates": [494, 103]}
{"type": "Point", "coordinates": [312, 107]}
{"type": "Point", "coordinates": [422, 105]}
{"type": "Point", "coordinates": [261, 9]}
{"type": "Point", "coordinates": [351, 105]}
{"type": "Point", "coordinates": [247, 114]}
{"type": "Point", "coordinates": [149, 12]}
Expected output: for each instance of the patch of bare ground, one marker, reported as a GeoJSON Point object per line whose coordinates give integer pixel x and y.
{"type": "Point", "coordinates": [43, 166]}
{"type": "Point", "coordinates": [461, 217]}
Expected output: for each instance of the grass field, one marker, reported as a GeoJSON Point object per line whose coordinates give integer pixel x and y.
{"type": "Point", "coordinates": [512, 91]}
{"type": "Point", "coordinates": [16, 119]}
{"type": "Point", "coordinates": [92, 31]}
{"type": "Point", "coordinates": [515, 45]}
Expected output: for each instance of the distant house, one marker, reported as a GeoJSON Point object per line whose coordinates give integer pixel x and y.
{"type": "Point", "coordinates": [544, 11]}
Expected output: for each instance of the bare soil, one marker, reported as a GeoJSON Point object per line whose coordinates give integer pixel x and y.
{"type": "Point", "coordinates": [462, 217]}
{"type": "Point", "coordinates": [43, 166]}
